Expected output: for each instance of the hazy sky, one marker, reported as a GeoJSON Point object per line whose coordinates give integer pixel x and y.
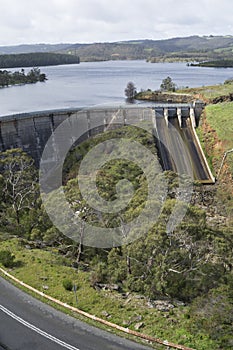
{"type": "Point", "coordinates": [54, 21]}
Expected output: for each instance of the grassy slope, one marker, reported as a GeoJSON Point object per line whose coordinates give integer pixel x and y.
{"type": "Point", "coordinates": [216, 135]}
{"type": "Point", "coordinates": [219, 117]}
{"type": "Point", "coordinates": [46, 269]}
{"type": "Point", "coordinates": [210, 92]}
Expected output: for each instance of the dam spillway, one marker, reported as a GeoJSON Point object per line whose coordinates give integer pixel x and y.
{"type": "Point", "coordinates": [169, 131]}
{"type": "Point", "coordinates": [170, 124]}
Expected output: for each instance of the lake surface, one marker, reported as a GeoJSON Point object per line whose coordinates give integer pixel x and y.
{"type": "Point", "coordinates": [93, 83]}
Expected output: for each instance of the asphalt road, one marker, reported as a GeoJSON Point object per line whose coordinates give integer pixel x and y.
{"type": "Point", "coordinates": [28, 324]}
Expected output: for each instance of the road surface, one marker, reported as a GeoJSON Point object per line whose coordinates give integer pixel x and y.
{"type": "Point", "coordinates": [28, 324]}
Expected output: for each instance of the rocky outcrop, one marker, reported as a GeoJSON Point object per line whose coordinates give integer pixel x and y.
{"type": "Point", "coordinates": [223, 98]}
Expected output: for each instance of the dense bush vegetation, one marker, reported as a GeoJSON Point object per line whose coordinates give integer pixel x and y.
{"type": "Point", "coordinates": [191, 49]}
{"type": "Point", "coordinates": [37, 59]}
{"type": "Point", "coordinates": [225, 63]}
{"type": "Point", "coordinates": [7, 258]}
{"type": "Point", "coordinates": [67, 284]}
{"type": "Point", "coordinates": [19, 77]}
{"type": "Point", "coordinates": [192, 264]}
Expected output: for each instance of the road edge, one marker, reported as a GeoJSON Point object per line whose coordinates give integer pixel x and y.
{"type": "Point", "coordinates": [93, 317]}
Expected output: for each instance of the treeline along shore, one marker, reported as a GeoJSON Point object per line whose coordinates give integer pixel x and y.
{"type": "Point", "coordinates": [20, 77]}
{"type": "Point", "coordinates": [36, 59]}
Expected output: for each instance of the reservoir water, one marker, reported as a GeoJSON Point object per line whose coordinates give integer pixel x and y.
{"type": "Point", "coordinates": [92, 83]}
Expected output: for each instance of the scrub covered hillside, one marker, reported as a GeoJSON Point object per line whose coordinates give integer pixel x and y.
{"type": "Point", "coordinates": [176, 287]}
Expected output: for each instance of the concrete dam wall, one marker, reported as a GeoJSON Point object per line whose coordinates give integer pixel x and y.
{"type": "Point", "coordinates": [31, 131]}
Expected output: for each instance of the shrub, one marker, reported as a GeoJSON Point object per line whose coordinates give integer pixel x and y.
{"type": "Point", "coordinates": [99, 274]}
{"type": "Point", "coordinates": [168, 85]}
{"type": "Point", "coordinates": [67, 284]}
{"type": "Point", "coordinates": [228, 81]}
{"type": "Point", "coordinates": [6, 258]}
{"type": "Point", "coordinates": [130, 91]}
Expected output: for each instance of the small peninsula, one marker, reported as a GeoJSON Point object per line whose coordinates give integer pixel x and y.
{"type": "Point", "coordinates": [220, 63]}
{"type": "Point", "coordinates": [20, 77]}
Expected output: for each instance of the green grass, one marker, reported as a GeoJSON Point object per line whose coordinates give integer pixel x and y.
{"type": "Point", "coordinates": [224, 49]}
{"type": "Point", "coordinates": [202, 137]}
{"type": "Point", "coordinates": [205, 92]}
{"type": "Point", "coordinates": [45, 270]}
{"type": "Point", "coordinates": [220, 118]}
{"type": "Point", "coordinates": [210, 92]}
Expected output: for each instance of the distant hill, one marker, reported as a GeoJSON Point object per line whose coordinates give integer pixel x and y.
{"type": "Point", "coordinates": [192, 48]}
{"type": "Point", "coordinates": [32, 48]}
{"type": "Point", "coordinates": [188, 49]}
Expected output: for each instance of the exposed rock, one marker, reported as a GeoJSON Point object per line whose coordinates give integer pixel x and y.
{"type": "Point", "coordinates": [138, 325]}
{"type": "Point", "coordinates": [150, 304]}
{"type": "Point", "coordinates": [178, 303]}
{"type": "Point", "coordinates": [138, 296]}
{"type": "Point", "coordinates": [137, 318]}
{"type": "Point", "coordinates": [112, 287]}
{"type": "Point", "coordinates": [105, 313]}
{"type": "Point", "coordinates": [223, 98]}
{"type": "Point", "coordinates": [161, 305]}
{"type": "Point", "coordinates": [35, 245]}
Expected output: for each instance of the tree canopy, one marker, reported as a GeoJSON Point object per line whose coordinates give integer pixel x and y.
{"type": "Point", "coordinates": [130, 90]}
{"type": "Point", "coordinates": [36, 59]}
{"type": "Point", "coordinates": [168, 85]}
{"type": "Point", "coordinates": [20, 77]}
{"type": "Point", "coordinates": [192, 264]}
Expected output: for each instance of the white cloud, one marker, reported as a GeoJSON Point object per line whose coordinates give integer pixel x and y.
{"type": "Point", "coordinates": [53, 21]}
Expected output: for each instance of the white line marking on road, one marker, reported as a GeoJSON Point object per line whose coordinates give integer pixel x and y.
{"type": "Point", "coordinates": [37, 330]}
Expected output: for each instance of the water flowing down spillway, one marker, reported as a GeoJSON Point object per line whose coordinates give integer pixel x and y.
{"type": "Point", "coordinates": [171, 139]}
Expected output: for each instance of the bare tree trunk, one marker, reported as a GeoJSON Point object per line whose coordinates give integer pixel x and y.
{"type": "Point", "coordinates": [80, 247]}
{"type": "Point", "coordinates": [79, 253]}
{"type": "Point", "coordinates": [17, 217]}
{"type": "Point", "coordinates": [128, 263]}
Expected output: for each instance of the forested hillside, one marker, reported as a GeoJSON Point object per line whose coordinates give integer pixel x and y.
{"type": "Point", "coordinates": [179, 285]}
{"type": "Point", "coordinates": [36, 60]}
{"type": "Point", "coordinates": [193, 48]}
{"type": "Point", "coordinates": [28, 48]}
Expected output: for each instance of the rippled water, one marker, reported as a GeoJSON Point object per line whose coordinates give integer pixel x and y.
{"type": "Point", "coordinates": [92, 83]}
